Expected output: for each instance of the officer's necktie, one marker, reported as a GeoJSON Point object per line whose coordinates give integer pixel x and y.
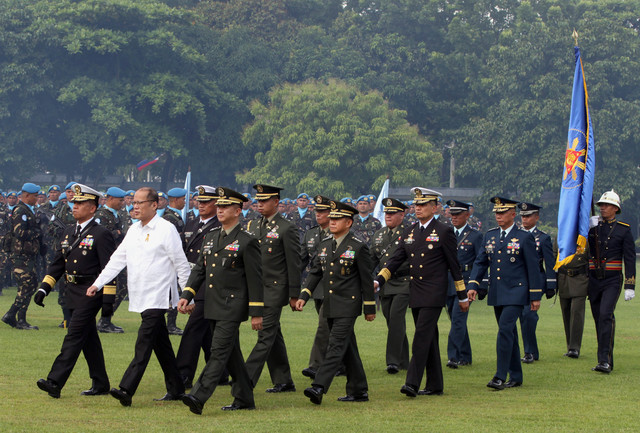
{"type": "Point", "coordinates": [223, 233]}
{"type": "Point", "coordinates": [263, 225]}
{"type": "Point", "coordinates": [457, 232]}
{"type": "Point", "coordinates": [503, 236]}
{"type": "Point", "coordinates": [78, 230]}
{"type": "Point", "coordinates": [200, 225]}
{"type": "Point", "coordinates": [334, 246]}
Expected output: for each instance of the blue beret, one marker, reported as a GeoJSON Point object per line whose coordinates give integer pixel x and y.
{"type": "Point", "coordinates": [372, 197]}
{"type": "Point", "coordinates": [130, 193]}
{"type": "Point", "coordinates": [254, 201]}
{"type": "Point", "coordinates": [12, 194]}
{"type": "Point", "coordinates": [303, 195]}
{"type": "Point", "coordinates": [194, 194]}
{"type": "Point", "coordinates": [54, 188]}
{"type": "Point", "coordinates": [362, 198]}
{"type": "Point", "coordinates": [31, 188]}
{"type": "Point", "coordinates": [116, 192]}
{"type": "Point", "coordinates": [69, 185]}
{"type": "Point", "coordinates": [40, 192]}
{"type": "Point", "coordinates": [161, 194]}
{"type": "Point", "coordinates": [177, 192]}
{"type": "Point", "coordinates": [346, 200]}
{"type": "Point", "coordinates": [247, 195]}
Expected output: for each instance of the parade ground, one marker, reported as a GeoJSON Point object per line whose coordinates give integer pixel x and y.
{"type": "Point", "coordinates": [558, 395]}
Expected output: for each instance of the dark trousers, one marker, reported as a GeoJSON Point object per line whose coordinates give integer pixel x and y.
{"type": "Point", "coordinates": [507, 346]}
{"type": "Point", "coordinates": [270, 348]}
{"type": "Point", "coordinates": [425, 350]}
{"type": "Point", "coordinates": [458, 343]}
{"type": "Point", "coordinates": [82, 336]}
{"type": "Point", "coordinates": [394, 309]}
{"type": "Point", "coordinates": [528, 325]}
{"type": "Point", "coordinates": [342, 349]}
{"type": "Point", "coordinates": [196, 335]}
{"type": "Point", "coordinates": [321, 340]}
{"type": "Point", "coordinates": [225, 352]}
{"type": "Point", "coordinates": [603, 296]}
{"type": "Point", "coordinates": [573, 318]}
{"type": "Point", "coordinates": [153, 337]}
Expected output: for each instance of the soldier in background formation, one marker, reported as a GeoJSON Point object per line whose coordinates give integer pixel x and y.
{"type": "Point", "coordinates": [364, 225]}
{"type": "Point", "coordinates": [173, 214]}
{"type": "Point", "coordinates": [302, 217]}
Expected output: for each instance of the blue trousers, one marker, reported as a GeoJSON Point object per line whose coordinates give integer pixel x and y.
{"type": "Point", "coordinates": [507, 347]}
{"type": "Point", "coordinates": [458, 345]}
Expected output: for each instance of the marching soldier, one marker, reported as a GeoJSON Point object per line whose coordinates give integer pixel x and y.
{"type": "Point", "coordinates": [229, 271]}
{"type": "Point", "coordinates": [345, 266]}
{"type": "Point", "coordinates": [364, 225]}
{"type": "Point", "coordinates": [530, 214]}
{"type": "Point", "coordinates": [394, 297]}
{"type": "Point", "coordinates": [430, 247]}
{"type": "Point", "coordinates": [469, 244]}
{"type": "Point", "coordinates": [312, 239]}
{"type": "Point", "coordinates": [573, 287]}
{"type": "Point", "coordinates": [109, 216]}
{"type": "Point", "coordinates": [281, 270]}
{"type": "Point", "coordinates": [84, 251]}
{"type": "Point", "coordinates": [197, 332]}
{"type": "Point", "coordinates": [24, 244]}
{"type": "Point", "coordinates": [514, 281]}
{"type": "Point", "coordinates": [610, 245]}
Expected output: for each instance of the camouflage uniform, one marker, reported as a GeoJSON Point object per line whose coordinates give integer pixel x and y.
{"type": "Point", "coordinates": [24, 244]}
{"type": "Point", "coordinates": [114, 223]}
{"type": "Point", "coordinates": [5, 227]}
{"type": "Point", "coordinates": [304, 223]}
{"type": "Point", "coordinates": [364, 229]}
{"type": "Point", "coordinates": [251, 215]}
{"type": "Point", "coordinates": [409, 219]}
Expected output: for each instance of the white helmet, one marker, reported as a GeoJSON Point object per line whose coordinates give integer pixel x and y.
{"type": "Point", "coordinates": [610, 197]}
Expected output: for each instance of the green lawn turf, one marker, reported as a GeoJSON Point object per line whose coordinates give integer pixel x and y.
{"type": "Point", "coordinates": [559, 394]}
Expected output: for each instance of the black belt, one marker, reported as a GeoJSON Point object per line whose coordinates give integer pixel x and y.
{"type": "Point", "coordinates": [80, 279]}
{"type": "Point", "coordinates": [573, 272]}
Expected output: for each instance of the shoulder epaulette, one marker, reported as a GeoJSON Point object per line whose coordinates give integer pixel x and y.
{"type": "Point", "coordinates": [326, 238]}
{"type": "Point", "coordinates": [624, 224]}
{"type": "Point", "coordinates": [494, 228]}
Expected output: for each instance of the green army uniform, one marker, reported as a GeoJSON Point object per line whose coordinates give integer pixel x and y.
{"type": "Point", "coordinates": [346, 269]}
{"type": "Point", "coordinates": [281, 271]}
{"type": "Point", "coordinates": [250, 216]}
{"type": "Point", "coordinates": [394, 297]}
{"type": "Point", "coordinates": [5, 229]}
{"type": "Point", "coordinates": [23, 245]}
{"type": "Point", "coordinates": [229, 269]}
{"type": "Point", "coordinates": [364, 229]}
{"type": "Point", "coordinates": [573, 288]}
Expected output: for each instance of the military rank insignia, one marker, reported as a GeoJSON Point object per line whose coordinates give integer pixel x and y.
{"type": "Point", "coordinates": [273, 234]}
{"type": "Point", "coordinates": [433, 237]}
{"type": "Point", "coordinates": [87, 242]}
{"type": "Point", "coordinates": [234, 246]}
{"type": "Point", "coordinates": [323, 253]}
{"type": "Point", "coordinates": [409, 240]}
{"type": "Point", "coordinates": [513, 247]}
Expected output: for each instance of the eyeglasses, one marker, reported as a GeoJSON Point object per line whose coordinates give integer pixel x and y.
{"type": "Point", "coordinates": [139, 203]}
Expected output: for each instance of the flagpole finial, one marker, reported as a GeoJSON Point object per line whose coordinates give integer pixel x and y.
{"type": "Point", "coordinates": [575, 36]}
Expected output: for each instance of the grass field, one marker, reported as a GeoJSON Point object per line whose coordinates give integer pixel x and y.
{"type": "Point", "coordinates": [559, 394]}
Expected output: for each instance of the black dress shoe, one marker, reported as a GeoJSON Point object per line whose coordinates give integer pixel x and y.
{"type": "Point", "coordinates": [121, 395]}
{"type": "Point", "coordinates": [512, 384]}
{"type": "Point", "coordinates": [174, 330]}
{"type": "Point", "coordinates": [393, 369]}
{"type": "Point", "coordinates": [497, 384]}
{"type": "Point", "coordinates": [22, 324]}
{"type": "Point", "coordinates": [169, 397]}
{"type": "Point", "coordinates": [309, 372]}
{"type": "Point", "coordinates": [357, 397]}
{"type": "Point", "coordinates": [94, 391]}
{"type": "Point", "coordinates": [572, 353]}
{"type": "Point", "coordinates": [110, 328]}
{"type": "Point", "coordinates": [234, 406]}
{"type": "Point", "coordinates": [463, 363]}
{"type": "Point", "coordinates": [409, 390]}
{"type": "Point", "coordinates": [602, 367]}
{"type": "Point", "coordinates": [528, 358]}
{"type": "Point", "coordinates": [61, 325]}
{"type": "Point", "coordinates": [315, 394]}
{"type": "Point", "coordinates": [10, 320]}
{"type": "Point", "coordinates": [429, 392]}
{"type": "Point", "coordinates": [194, 404]}
{"type": "Point", "coordinates": [452, 363]}
{"type": "Point", "coordinates": [49, 387]}
{"type": "Point", "coordinates": [282, 387]}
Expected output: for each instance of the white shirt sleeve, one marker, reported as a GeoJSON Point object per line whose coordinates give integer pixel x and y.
{"type": "Point", "coordinates": [116, 264]}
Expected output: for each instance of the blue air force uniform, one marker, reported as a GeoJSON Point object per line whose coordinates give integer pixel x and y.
{"type": "Point", "coordinates": [514, 281]}
{"type": "Point", "coordinates": [469, 243]}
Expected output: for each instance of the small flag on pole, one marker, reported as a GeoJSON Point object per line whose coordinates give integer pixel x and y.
{"type": "Point", "coordinates": [147, 162]}
{"type": "Point", "coordinates": [578, 172]}
{"type": "Point", "coordinates": [378, 212]}
{"type": "Point", "coordinates": [187, 186]}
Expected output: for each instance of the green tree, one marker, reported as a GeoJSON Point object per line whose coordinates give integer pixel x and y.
{"type": "Point", "coordinates": [330, 138]}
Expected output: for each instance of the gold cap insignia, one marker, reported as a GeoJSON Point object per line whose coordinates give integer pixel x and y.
{"type": "Point", "coordinates": [523, 206]}
{"type": "Point", "coordinates": [200, 190]}
{"type": "Point", "coordinates": [259, 188]}
{"type": "Point", "coordinates": [418, 193]}
{"type": "Point", "coordinates": [388, 202]}
{"type": "Point", "coordinates": [221, 192]}
{"type": "Point", "coordinates": [77, 189]}
{"type": "Point", "coordinates": [498, 202]}
{"type": "Point", "coordinates": [319, 199]}
{"type": "Point", "coordinates": [333, 205]}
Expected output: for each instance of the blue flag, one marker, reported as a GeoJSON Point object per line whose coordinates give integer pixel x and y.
{"type": "Point", "coordinates": [578, 173]}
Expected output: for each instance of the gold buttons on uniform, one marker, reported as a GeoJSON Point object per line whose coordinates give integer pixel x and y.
{"type": "Point", "coordinates": [211, 275]}
{"type": "Point", "coordinates": [498, 269]}
{"type": "Point", "coordinates": [211, 286]}
{"type": "Point", "coordinates": [215, 255]}
{"type": "Point", "coordinates": [330, 272]}
{"type": "Point", "coordinates": [498, 260]}
{"type": "Point", "coordinates": [75, 261]}
{"type": "Point", "coordinates": [420, 266]}
{"type": "Point", "coordinates": [353, 297]}
{"type": "Point", "coordinates": [498, 277]}
{"type": "Point", "coordinates": [330, 291]}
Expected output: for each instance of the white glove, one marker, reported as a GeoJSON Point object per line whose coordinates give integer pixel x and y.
{"type": "Point", "coordinates": [629, 294]}
{"type": "Point", "coordinates": [593, 221]}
